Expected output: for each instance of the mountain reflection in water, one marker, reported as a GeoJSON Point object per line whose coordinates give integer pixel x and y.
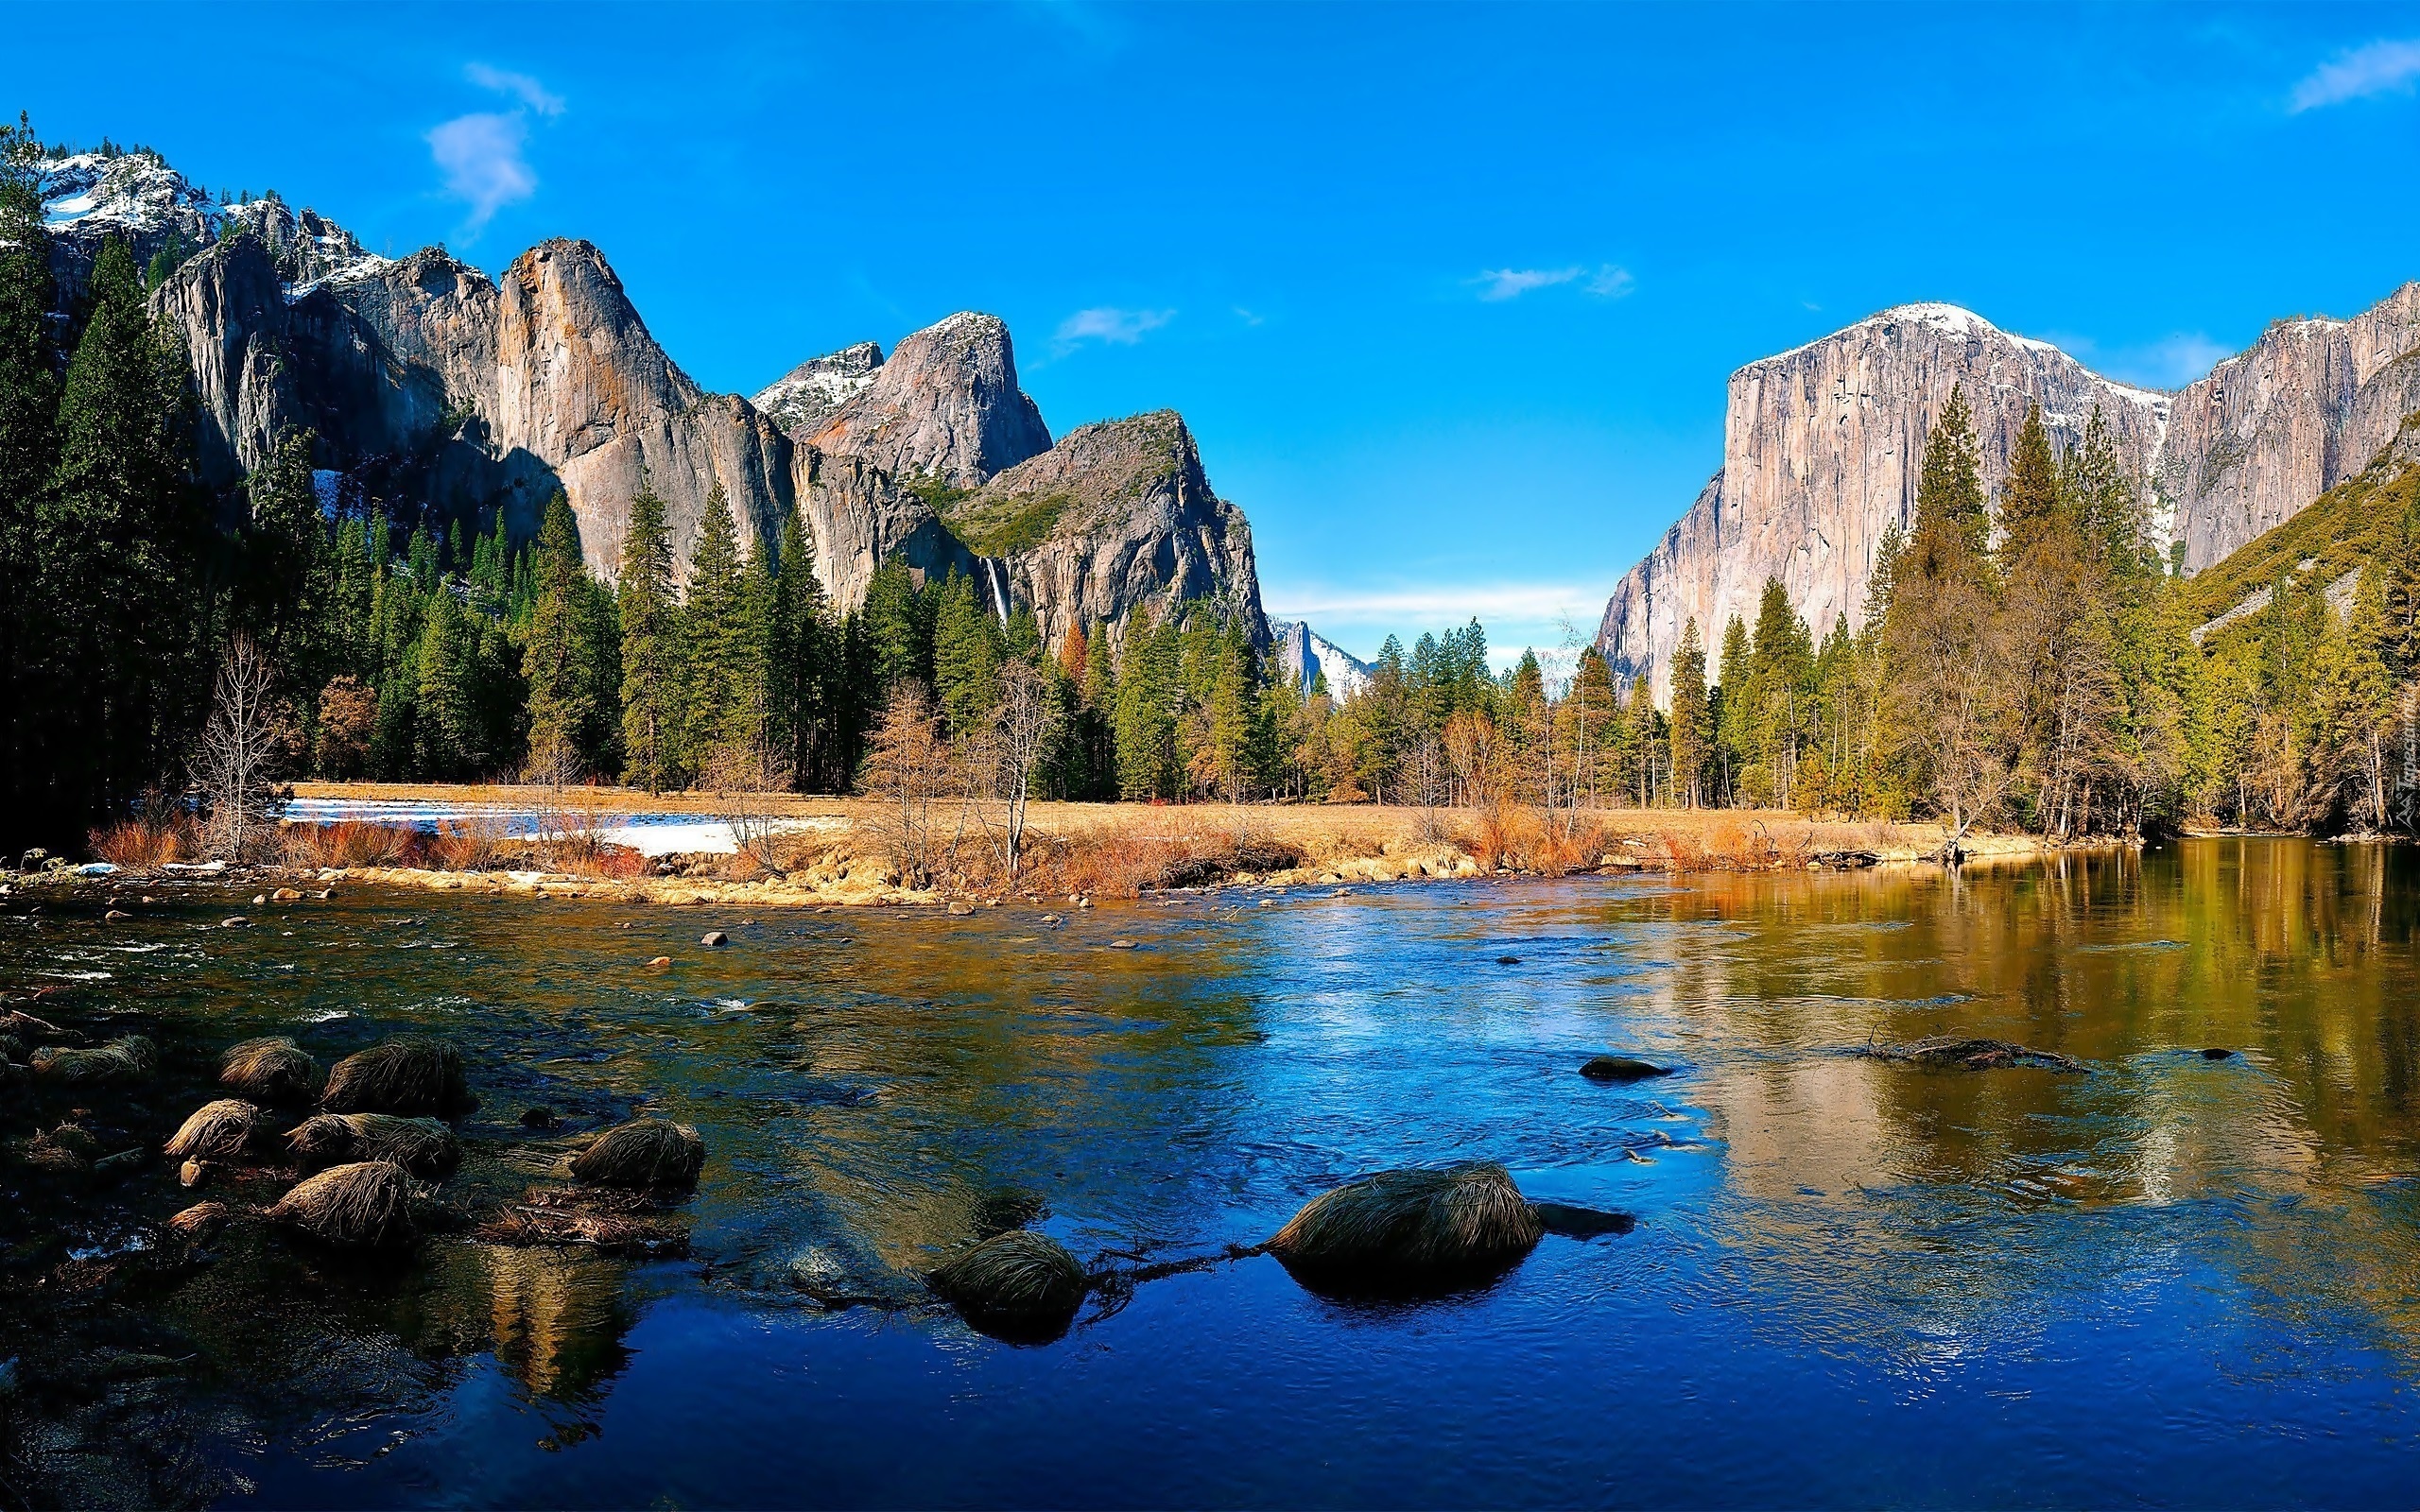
{"type": "Point", "coordinates": [2176, 1279]}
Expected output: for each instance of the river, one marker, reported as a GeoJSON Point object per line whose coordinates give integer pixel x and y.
{"type": "Point", "coordinates": [2174, 1281]}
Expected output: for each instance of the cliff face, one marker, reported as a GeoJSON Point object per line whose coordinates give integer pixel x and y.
{"type": "Point", "coordinates": [1306, 655]}
{"type": "Point", "coordinates": [430, 385]}
{"type": "Point", "coordinates": [946, 405]}
{"type": "Point", "coordinates": [1822, 447]}
{"type": "Point", "coordinates": [1116, 516]}
{"type": "Point", "coordinates": [2276, 426]}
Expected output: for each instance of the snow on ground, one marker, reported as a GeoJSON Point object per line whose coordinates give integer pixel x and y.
{"type": "Point", "coordinates": [654, 834]}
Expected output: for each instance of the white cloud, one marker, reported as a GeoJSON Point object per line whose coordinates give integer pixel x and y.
{"type": "Point", "coordinates": [1612, 283]}
{"type": "Point", "coordinates": [1122, 328]}
{"type": "Point", "coordinates": [1512, 283]}
{"type": "Point", "coordinates": [481, 155]}
{"type": "Point", "coordinates": [521, 86]}
{"type": "Point", "coordinates": [1499, 283]}
{"type": "Point", "coordinates": [2359, 72]}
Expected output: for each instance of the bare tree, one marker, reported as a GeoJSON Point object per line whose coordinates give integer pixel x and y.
{"type": "Point", "coordinates": [554, 760]}
{"type": "Point", "coordinates": [1021, 731]}
{"type": "Point", "coordinates": [1426, 782]}
{"type": "Point", "coordinates": [741, 774]}
{"type": "Point", "coordinates": [908, 769]}
{"type": "Point", "coordinates": [236, 768]}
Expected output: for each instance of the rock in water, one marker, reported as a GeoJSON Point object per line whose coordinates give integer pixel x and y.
{"type": "Point", "coordinates": [1621, 1068]}
{"type": "Point", "coordinates": [200, 1222]}
{"type": "Point", "coordinates": [716, 938]}
{"type": "Point", "coordinates": [2215, 1053]}
{"type": "Point", "coordinates": [1019, 1285]}
{"type": "Point", "coordinates": [1409, 1232]}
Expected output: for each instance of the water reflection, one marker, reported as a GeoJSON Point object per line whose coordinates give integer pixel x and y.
{"type": "Point", "coordinates": [1887, 1257]}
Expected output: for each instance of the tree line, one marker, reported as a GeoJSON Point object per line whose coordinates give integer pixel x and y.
{"type": "Point", "coordinates": [2028, 659]}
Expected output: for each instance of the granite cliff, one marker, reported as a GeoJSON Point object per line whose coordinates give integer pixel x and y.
{"type": "Point", "coordinates": [1823, 446]}
{"type": "Point", "coordinates": [432, 387]}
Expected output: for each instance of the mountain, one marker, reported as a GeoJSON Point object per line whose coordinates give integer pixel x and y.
{"type": "Point", "coordinates": [431, 384]}
{"type": "Point", "coordinates": [1116, 515]}
{"type": "Point", "coordinates": [1306, 654]}
{"type": "Point", "coordinates": [2329, 542]}
{"type": "Point", "coordinates": [1823, 446]}
{"type": "Point", "coordinates": [807, 395]}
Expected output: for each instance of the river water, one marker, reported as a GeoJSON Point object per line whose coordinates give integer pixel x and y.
{"type": "Point", "coordinates": [2174, 1281]}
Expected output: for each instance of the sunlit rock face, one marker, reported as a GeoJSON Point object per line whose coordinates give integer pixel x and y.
{"type": "Point", "coordinates": [1822, 447]}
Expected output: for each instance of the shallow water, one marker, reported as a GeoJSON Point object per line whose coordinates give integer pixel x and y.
{"type": "Point", "coordinates": [2174, 1281]}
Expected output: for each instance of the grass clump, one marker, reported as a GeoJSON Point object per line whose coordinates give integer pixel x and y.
{"type": "Point", "coordinates": [270, 1071]}
{"type": "Point", "coordinates": [224, 1131]}
{"type": "Point", "coordinates": [131, 1058]}
{"type": "Point", "coordinates": [1018, 1285]}
{"type": "Point", "coordinates": [1409, 1230]}
{"type": "Point", "coordinates": [646, 1154]}
{"type": "Point", "coordinates": [410, 1074]}
{"type": "Point", "coordinates": [366, 1205]}
{"type": "Point", "coordinates": [422, 1146]}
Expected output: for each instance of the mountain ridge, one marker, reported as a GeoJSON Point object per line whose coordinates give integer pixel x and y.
{"type": "Point", "coordinates": [1823, 445]}
{"type": "Point", "coordinates": [430, 383]}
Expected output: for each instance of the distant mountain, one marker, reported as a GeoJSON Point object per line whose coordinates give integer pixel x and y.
{"type": "Point", "coordinates": [1306, 654]}
{"type": "Point", "coordinates": [1823, 445]}
{"type": "Point", "coordinates": [430, 383]}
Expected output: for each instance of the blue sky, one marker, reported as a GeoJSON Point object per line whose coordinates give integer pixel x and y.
{"type": "Point", "coordinates": [1448, 294]}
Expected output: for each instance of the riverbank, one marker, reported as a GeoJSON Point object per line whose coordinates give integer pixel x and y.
{"type": "Point", "coordinates": [819, 852]}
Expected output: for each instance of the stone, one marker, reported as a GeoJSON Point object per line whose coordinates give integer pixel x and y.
{"type": "Point", "coordinates": [2217, 1052]}
{"type": "Point", "coordinates": [659, 963]}
{"type": "Point", "coordinates": [715, 937]}
{"type": "Point", "coordinates": [1621, 1068]}
{"type": "Point", "coordinates": [194, 1174]}
{"type": "Point", "coordinates": [259, 898]}
{"type": "Point", "coordinates": [1121, 944]}
{"type": "Point", "coordinates": [961, 908]}
{"type": "Point", "coordinates": [233, 921]}
{"type": "Point", "coordinates": [539, 1118]}
{"type": "Point", "coordinates": [117, 915]}
{"type": "Point", "coordinates": [287, 895]}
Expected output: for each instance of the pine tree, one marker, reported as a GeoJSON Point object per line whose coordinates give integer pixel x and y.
{"type": "Point", "coordinates": [448, 731]}
{"type": "Point", "coordinates": [28, 410]}
{"type": "Point", "coordinates": [898, 627]}
{"type": "Point", "coordinates": [723, 646]}
{"type": "Point", "coordinates": [1692, 720]}
{"type": "Point", "coordinates": [966, 658]}
{"type": "Point", "coordinates": [285, 574]}
{"type": "Point", "coordinates": [565, 716]}
{"type": "Point", "coordinates": [652, 702]}
{"type": "Point", "coordinates": [801, 656]}
{"type": "Point", "coordinates": [121, 534]}
{"type": "Point", "coordinates": [2031, 501]}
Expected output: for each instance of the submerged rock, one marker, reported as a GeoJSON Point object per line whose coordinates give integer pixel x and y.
{"type": "Point", "coordinates": [1975, 1054]}
{"type": "Point", "coordinates": [1621, 1068]}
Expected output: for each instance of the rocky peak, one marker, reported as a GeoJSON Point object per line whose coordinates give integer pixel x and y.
{"type": "Point", "coordinates": [1118, 515]}
{"type": "Point", "coordinates": [1306, 656]}
{"type": "Point", "coordinates": [811, 393]}
{"type": "Point", "coordinates": [945, 405]}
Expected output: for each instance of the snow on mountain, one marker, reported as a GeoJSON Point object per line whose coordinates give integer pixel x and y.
{"type": "Point", "coordinates": [1306, 655]}
{"type": "Point", "coordinates": [812, 392]}
{"type": "Point", "coordinates": [90, 196]}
